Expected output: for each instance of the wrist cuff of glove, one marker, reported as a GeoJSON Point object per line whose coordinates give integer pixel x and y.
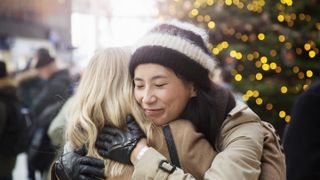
{"type": "Point", "coordinates": [59, 171]}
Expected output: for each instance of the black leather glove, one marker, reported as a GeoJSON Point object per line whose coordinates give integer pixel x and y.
{"type": "Point", "coordinates": [75, 165]}
{"type": "Point", "coordinates": [117, 144]}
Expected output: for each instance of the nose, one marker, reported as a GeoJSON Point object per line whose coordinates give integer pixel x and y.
{"type": "Point", "coordinates": [148, 97]}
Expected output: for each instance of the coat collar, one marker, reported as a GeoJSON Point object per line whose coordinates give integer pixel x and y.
{"type": "Point", "coordinates": [240, 106]}
{"type": "Point", "coordinates": [241, 113]}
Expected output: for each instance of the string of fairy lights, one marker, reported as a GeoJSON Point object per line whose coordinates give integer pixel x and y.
{"type": "Point", "coordinates": [263, 62]}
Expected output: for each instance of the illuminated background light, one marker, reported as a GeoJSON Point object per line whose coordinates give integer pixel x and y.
{"type": "Point", "coordinates": [215, 51]}
{"type": "Point", "coordinates": [255, 93]}
{"type": "Point", "coordinates": [265, 67]}
{"type": "Point", "coordinates": [245, 97]}
{"type": "Point", "coordinates": [210, 2]}
{"type": "Point", "coordinates": [298, 51]}
{"type": "Point", "coordinates": [300, 75]}
{"type": "Point", "coordinates": [264, 59]}
{"type": "Point", "coordinates": [307, 46]}
{"type": "Point", "coordinates": [211, 24]}
{"type": "Point", "coordinates": [309, 73]}
{"type": "Point", "coordinates": [258, 64]}
{"type": "Point", "coordinates": [259, 101]}
{"type": "Point", "coordinates": [282, 114]}
{"type": "Point", "coordinates": [278, 69]}
{"type": "Point", "coordinates": [249, 93]}
{"type": "Point", "coordinates": [283, 89]}
{"type": "Point", "coordinates": [287, 118]}
{"type": "Point", "coordinates": [261, 36]}
{"type": "Point", "coordinates": [295, 69]}
{"type": "Point", "coordinates": [228, 2]}
{"type": "Point", "coordinates": [238, 77]}
{"type": "Point", "coordinates": [250, 57]}
{"type": "Point", "coordinates": [312, 54]}
{"type": "Point", "coordinates": [273, 65]}
{"type": "Point", "coordinates": [194, 12]}
{"type": "Point", "coordinates": [280, 18]}
{"type": "Point", "coordinates": [259, 76]}
{"type": "Point", "coordinates": [269, 106]}
{"type": "Point", "coordinates": [282, 38]}
{"type": "Point", "coordinates": [273, 53]}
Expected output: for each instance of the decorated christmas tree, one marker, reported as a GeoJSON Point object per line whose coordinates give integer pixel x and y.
{"type": "Point", "coordinates": [269, 48]}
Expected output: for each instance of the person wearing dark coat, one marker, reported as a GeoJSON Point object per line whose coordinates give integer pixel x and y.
{"type": "Point", "coordinates": [301, 137]}
{"type": "Point", "coordinates": [7, 93]}
{"type": "Point", "coordinates": [29, 84]}
{"type": "Point", "coordinates": [56, 89]}
{"type": "Point", "coordinates": [57, 85]}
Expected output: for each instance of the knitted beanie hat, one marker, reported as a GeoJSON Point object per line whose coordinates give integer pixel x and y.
{"type": "Point", "coordinates": [180, 47]}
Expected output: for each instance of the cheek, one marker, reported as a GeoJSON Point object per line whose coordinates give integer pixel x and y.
{"type": "Point", "coordinates": [171, 98]}
{"type": "Point", "coordinates": [180, 99]}
{"type": "Point", "coordinates": [137, 96]}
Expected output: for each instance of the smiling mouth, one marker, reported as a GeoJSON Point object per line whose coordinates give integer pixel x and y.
{"type": "Point", "coordinates": [152, 112]}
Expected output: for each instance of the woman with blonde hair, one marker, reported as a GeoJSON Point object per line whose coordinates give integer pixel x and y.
{"type": "Point", "coordinates": [102, 98]}
{"type": "Point", "coordinates": [105, 98]}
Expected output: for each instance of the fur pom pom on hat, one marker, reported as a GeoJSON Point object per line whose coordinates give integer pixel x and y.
{"type": "Point", "coordinates": [179, 46]}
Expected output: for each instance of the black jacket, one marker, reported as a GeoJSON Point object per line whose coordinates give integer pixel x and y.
{"type": "Point", "coordinates": [9, 93]}
{"type": "Point", "coordinates": [56, 89]}
{"type": "Point", "coordinates": [302, 137]}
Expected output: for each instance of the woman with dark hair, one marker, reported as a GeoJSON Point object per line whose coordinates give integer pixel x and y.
{"type": "Point", "coordinates": [171, 68]}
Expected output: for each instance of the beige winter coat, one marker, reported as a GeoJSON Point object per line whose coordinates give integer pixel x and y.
{"type": "Point", "coordinates": [249, 150]}
{"type": "Point", "coordinates": [194, 151]}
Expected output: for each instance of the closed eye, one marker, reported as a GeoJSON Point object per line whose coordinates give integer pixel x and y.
{"type": "Point", "coordinates": [139, 86]}
{"type": "Point", "coordinates": [161, 85]}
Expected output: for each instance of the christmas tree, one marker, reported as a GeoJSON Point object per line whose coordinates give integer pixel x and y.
{"type": "Point", "coordinates": [269, 48]}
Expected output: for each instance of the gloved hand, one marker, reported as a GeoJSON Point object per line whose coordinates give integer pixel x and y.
{"type": "Point", "coordinates": [117, 144]}
{"type": "Point", "coordinates": [75, 165]}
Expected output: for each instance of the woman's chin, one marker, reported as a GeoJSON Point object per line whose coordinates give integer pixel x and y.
{"type": "Point", "coordinates": [159, 122]}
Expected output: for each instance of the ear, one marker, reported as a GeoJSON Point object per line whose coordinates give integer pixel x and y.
{"type": "Point", "coordinates": [193, 91]}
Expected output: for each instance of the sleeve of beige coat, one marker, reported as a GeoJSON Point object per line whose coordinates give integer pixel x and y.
{"type": "Point", "coordinates": [57, 127]}
{"type": "Point", "coordinates": [241, 153]}
{"type": "Point", "coordinates": [147, 168]}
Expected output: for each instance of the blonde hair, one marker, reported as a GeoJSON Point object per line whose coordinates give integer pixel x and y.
{"type": "Point", "coordinates": [104, 96]}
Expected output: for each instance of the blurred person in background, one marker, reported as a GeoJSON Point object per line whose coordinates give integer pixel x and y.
{"type": "Point", "coordinates": [301, 137]}
{"type": "Point", "coordinates": [55, 90]}
{"type": "Point", "coordinates": [57, 82]}
{"type": "Point", "coordinates": [29, 84]}
{"type": "Point", "coordinates": [7, 93]}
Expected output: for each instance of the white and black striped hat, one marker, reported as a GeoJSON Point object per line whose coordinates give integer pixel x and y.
{"type": "Point", "coordinates": [179, 46]}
